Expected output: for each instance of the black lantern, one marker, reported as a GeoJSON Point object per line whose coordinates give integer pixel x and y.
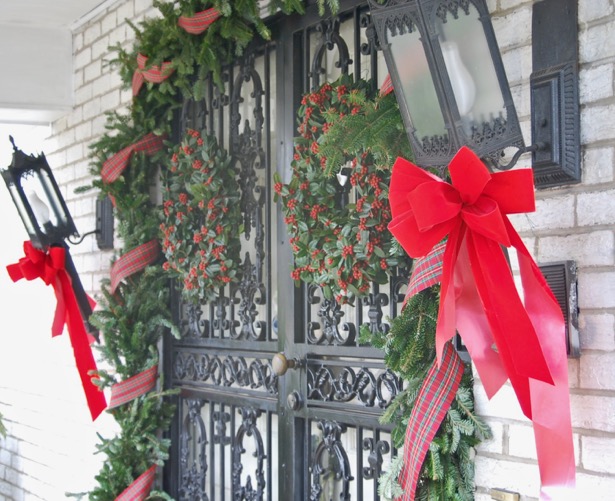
{"type": "Point", "coordinates": [45, 215]}
{"type": "Point", "coordinates": [448, 76]}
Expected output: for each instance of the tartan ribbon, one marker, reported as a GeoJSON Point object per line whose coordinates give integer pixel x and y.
{"type": "Point", "coordinates": [426, 271]}
{"type": "Point", "coordinates": [50, 267]}
{"type": "Point", "coordinates": [134, 261]}
{"type": "Point", "coordinates": [387, 86]}
{"type": "Point", "coordinates": [198, 23]}
{"type": "Point", "coordinates": [133, 387]}
{"type": "Point", "coordinates": [114, 166]}
{"type": "Point", "coordinates": [155, 74]}
{"type": "Point", "coordinates": [479, 298]}
{"type": "Point", "coordinates": [139, 489]}
{"type": "Point", "coordinates": [432, 403]}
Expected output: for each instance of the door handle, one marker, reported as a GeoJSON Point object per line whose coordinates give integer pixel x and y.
{"type": "Point", "coordinates": [280, 364]}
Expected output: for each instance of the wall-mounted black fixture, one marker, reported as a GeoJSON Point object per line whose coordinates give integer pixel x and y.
{"type": "Point", "coordinates": [45, 214]}
{"type": "Point", "coordinates": [562, 279]}
{"type": "Point", "coordinates": [449, 79]}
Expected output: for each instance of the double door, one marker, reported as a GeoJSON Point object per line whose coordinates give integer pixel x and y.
{"type": "Point", "coordinates": [278, 399]}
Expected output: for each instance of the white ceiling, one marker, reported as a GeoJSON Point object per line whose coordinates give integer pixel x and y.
{"type": "Point", "coordinates": [37, 54]}
{"type": "Point", "coordinates": [45, 13]}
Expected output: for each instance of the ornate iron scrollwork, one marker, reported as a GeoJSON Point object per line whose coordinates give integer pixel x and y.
{"type": "Point", "coordinates": [345, 384]}
{"type": "Point", "coordinates": [226, 371]}
{"type": "Point", "coordinates": [249, 429]}
{"type": "Point", "coordinates": [330, 30]}
{"type": "Point", "coordinates": [333, 330]}
{"type": "Point", "coordinates": [330, 464]}
{"type": "Point", "coordinates": [193, 457]}
{"type": "Point", "coordinates": [377, 450]}
{"type": "Point", "coordinates": [453, 7]}
{"type": "Point", "coordinates": [376, 301]}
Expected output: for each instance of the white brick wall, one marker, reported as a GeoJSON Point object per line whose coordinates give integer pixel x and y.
{"type": "Point", "coordinates": [49, 437]}
{"type": "Point", "coordinates": [575, 222]}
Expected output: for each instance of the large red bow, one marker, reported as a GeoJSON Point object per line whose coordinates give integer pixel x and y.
{"type": "Point", "coordinates": [506, 338]}
{"type": "Point", "coordinates": [50, 266]}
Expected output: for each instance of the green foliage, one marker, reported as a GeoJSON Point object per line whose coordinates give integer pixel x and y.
{"type": "Point", "coordinates": [341, 246]}
{"type": "Point", "coordinates": [409, 347]}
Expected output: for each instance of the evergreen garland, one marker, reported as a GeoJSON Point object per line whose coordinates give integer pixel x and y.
{"type": "Point", "coordinates": [133, 319]}
{"type": "Point", "coordinates": [409, 348]}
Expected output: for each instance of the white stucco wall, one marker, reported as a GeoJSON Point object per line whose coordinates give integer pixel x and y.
{"type": "Point", "coordinates": [50, 443]}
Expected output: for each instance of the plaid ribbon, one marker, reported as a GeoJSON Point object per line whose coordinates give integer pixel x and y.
{"type": "Point", "coordinates": [139, 489]}
{"type": "Point", "coordinates": [156, 74]}
{"type": "Point", "coordinates": [387, 86]}
{"type": "Point", "coordinates": [113, 167]}
{"type": "Point", "coordinates": [198, 23]}
{"type": "Point", "coordinates": [432, 404]}
{"type": "Point", "coordinates": [133, 387]}
{"type": "Point", "coordinates": [426, 272]}
{"type": "Point", "coordinates": [134, 261]}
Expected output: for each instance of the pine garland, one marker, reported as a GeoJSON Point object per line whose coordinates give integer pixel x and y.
{"type": "Point", "coordinates": [409, 347]}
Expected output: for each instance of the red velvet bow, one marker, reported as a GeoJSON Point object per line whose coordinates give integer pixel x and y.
{"type": "Point", "coordinates": [50, 266]}
{"type": "Point", "coordinates": [506, 338]}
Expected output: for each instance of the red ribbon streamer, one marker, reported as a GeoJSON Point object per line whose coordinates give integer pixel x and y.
{"type": "Point", "coordinates": [426, 271]}
{"type": "Point", "coordinates": [50, 266]}
{"type": "Point", "coordinates": [114, 166]}
{"type": "Point", "coordinates": [479, 297]}
{"type": "Point", "coordinates": [198, 23]}
{"type": "Point", "coordinates": [134, 261]}
{"type": "Point", "coordinates": [155, 74]}
{"type": "Point", "coordinates": [133, 387]}
{"type": "Point", "coordinates": [139, 489]}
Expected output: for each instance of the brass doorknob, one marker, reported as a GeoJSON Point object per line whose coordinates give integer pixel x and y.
{"type": "Point", "coordinates": [280, 364]}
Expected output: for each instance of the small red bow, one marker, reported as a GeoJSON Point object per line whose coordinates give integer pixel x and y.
{"type": "Point", "coordinates": [50, 267]}
{"type": "Point", "coordinates": [506, 338]}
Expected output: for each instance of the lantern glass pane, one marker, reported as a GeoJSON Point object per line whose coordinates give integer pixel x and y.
{"type": "Point", "coordinates": [417, 84]}
{"type": "Point", "coordinates": [41, 201]}
{"type": "Point", "coordinates": [21, 208]}
{"type": "Point", "coordinates": [470, 67]}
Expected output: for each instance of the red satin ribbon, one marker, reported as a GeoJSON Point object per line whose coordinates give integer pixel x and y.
{"type": "Point", "coordinates": [506, 338]}
{"type": "Point", "coordinates": [50, 266]}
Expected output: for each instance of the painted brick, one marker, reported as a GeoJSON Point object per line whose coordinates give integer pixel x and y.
{"type": "Point", "coordinates": [100, 48]}
{"type": "Point", "coordinates": [509, 475]}
{"type": "Point", "coordinates": [92, 70]}
{"type": "Point", "coordinates": [598, 165]}
{"type": "Point", "coordinates": [126, 10]}
{"type": "Point", "coordinates": [91, 33]}
{"type": "Point", "coordinates": [84, 94]}
{"type": "Point", "coordinates": [521, 441]}
{"type": "Point", "coordinates": [597, 371]}
{"type": "Point", "coordinates": [595, 208]}
{"type": "Point", "coordinates": [597, 123]}
{"type": "Point", "coordinates": [595, 487]}
{"type": "Point", "coordinates": [587, 249]}
{"type": "Point", "coordinates": [514, 28]}
{"type": "Point", "coordinates": [503, 405]}
{"type": "Point", "coordinates": [111, 100]}
{"type": "Point", "coordinates": [142, 5]}
{"type": "Point", "coordinates": [591, 10]}
{"type": "Point", "coordinates": [495, 444]}
{"type": "Point", "coordinates": [82, 58]}
{"type": "Point", "coordinates": [83, 131]}
{"type": "Point", "coordinates": [597, 43]}
{"type": "Point", "coordinates": [597, 290]}
{"type": "Point", "coordinates": [596, 83]}
{"type": "Point", "coordinates": [598, 453]}
{"type": "Point", "coordinates": [597, 331]}
{"type": "Point", "coordinates": [551, 213]}
{"type": "Point", "coordinates": [91, 109]}
{"type": "Point", "coordinates": [109, 22]}
{"type": "Point", "coordinates": [518, 64]}
{"type": "Point", "coordinates": [593, 412]}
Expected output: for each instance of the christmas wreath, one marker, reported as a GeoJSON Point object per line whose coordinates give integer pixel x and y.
{"type": "Point", "coordinates": [202, 218]}
{"type": "Point", "coordinates": [337, 224]}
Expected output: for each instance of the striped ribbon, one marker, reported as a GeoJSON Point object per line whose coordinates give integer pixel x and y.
{"type": "Point", "coordinates": [133, 387]}
{"type": "Point", "coordinates": [387, 86]}
{"type": "Point", "coordinates": [432, 404]}
{"type": "Point", "coordinates": [139, 489]}
{"type": "Point", "coordinates": [114, 166]}
{"type": "Point", "coordinates": [155, 74]}
{"type": "Point", "coordinates": [198, 23]}
{"type": "Point", "coordinates": [426, 272]}
{"type": "Point", "coordinates": [438, 389]}
{"type": "Point", "coordinates": [134, 261]}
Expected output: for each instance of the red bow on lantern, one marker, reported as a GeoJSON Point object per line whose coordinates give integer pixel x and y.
{"type": "Point", "coordinates": [50, 266]}
{"type": "Point", "coordinates": [507, 338]}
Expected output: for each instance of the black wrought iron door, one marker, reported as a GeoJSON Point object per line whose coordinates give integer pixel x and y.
{"type": "Point", "coordinates": [243, 431]}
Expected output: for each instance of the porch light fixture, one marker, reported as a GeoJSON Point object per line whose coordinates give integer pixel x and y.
{"type": "Point", "coordinates": [45, 215]}
{"type": "Point", "coordinates": [449, 79]}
